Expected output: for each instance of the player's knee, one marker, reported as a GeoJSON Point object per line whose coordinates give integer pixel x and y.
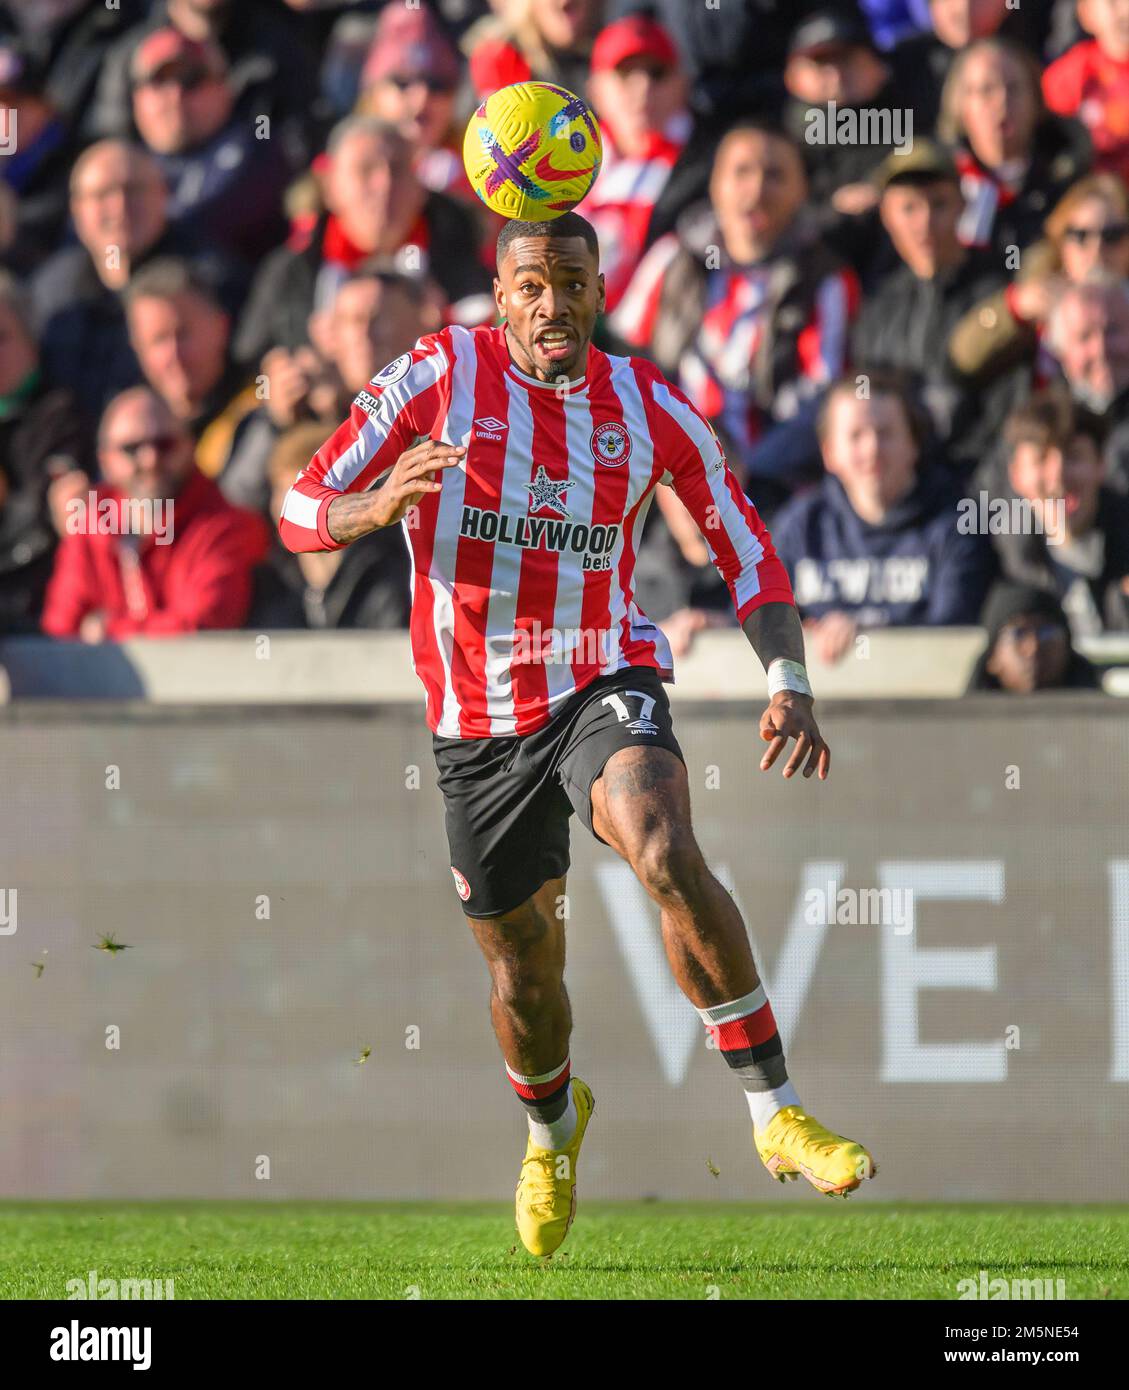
{"type": "Point", "coordinates": [669, 863]}
{"type": "Point", "coordinates": [526, 991]}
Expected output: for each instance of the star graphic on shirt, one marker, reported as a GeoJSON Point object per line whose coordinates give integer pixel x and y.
{"type": "Point", "coordinates": [548, 492]}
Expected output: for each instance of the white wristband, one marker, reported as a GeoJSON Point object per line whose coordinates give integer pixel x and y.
{"type": "Point", "coordinates": [788, 675]}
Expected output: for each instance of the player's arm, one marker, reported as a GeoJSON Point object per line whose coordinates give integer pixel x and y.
{"type": "Point", "coordinates": [351, 516]}
{"type": "Point", "coordinates": [777, 636]}
{"type": "Point", "coordinates": [758, 583]}
{"type": "Point", "coordinates": [336, 498]}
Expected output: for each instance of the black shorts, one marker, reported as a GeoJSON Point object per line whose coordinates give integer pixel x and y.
{"type": "Point", "coordinates": [509, 799]}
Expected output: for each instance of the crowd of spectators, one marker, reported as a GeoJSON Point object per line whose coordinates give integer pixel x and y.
{"type": "Point", "coordinates": [883, 245]}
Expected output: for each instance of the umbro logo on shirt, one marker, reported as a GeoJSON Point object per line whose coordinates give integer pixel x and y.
{"type": "Point", "coordinates": [488, 428]}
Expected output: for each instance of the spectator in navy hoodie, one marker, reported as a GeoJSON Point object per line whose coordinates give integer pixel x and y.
{"type": "Point", "coordinates": [876, 543]}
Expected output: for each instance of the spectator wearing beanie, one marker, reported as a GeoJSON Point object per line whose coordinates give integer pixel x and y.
{"type": "Point", "coordinates": [906, 321]}
{"type": "Point", "coordinates": [410, 77]}
{"type": "Point", "coordinates": [1029, 646]}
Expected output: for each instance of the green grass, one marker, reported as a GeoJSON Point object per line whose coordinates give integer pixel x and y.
{"type": "Point", "coordinates": [616, 1250]}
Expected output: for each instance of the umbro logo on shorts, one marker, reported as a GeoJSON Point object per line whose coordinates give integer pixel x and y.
{"type": "Point", "coordinates": [462, 887]}
{"type": "Point", "coordinates": [488, 427]}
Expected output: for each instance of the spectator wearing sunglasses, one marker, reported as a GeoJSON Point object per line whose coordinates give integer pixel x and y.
{"type": "Point", "coordinates": [1029, 646]}
{"type": "Point", "coordinates": [1015, 159]}
{"type": "Point", "coordinates": [1088, 231]}
{"type": "Point", "coordinates": [225, 184]}
{"type": "Point", "coordinates": [156, 550]}
{"type": "Point", "coordinates": [271, 67]}
{"type": "Point", "coordinates": [410, 77]}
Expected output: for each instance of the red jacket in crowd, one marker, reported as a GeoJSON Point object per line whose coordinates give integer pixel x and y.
{"type": "Point", "coordinates": [201, 578]}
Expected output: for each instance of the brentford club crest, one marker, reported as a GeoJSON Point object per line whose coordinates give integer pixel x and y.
{"type": "Point", "coordinates": [611, 444]}
{"type": "Point", "coordinates": [462, 887]}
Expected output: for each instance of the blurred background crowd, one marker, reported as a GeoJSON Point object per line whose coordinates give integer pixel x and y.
{"type": "Point", "coordinates": [219, 219]}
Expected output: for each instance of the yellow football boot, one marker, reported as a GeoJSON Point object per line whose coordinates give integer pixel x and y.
{"type": "Point", "coordinates": [794, 1145]}
{"type": "Point", "coordinates": [546, 1190]}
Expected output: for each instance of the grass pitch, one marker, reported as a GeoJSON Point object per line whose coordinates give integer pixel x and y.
{"type": "Point", "coordinates": [299, 1250]}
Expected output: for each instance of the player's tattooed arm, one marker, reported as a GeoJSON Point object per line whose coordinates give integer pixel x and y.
{"type": "Point", "coordinates": [351, 516]}
{"type": "Point", "coordinates": [414, 474]}
{"type": "Point", "coordinates": [775, 631]}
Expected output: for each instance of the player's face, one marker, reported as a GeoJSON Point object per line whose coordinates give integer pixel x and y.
{"type": "Point", "coordinates": [549, 291]}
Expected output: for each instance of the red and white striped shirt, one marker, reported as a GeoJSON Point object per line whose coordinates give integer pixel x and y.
{"type": "Point", "coordinates": [523, 563]}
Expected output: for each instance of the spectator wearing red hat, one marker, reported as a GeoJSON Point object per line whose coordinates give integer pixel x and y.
{"type": "Point", "coordinates": [157, 550]}
{"type": "Point", "coordinates": [269, 64]}
{"type": "Point", "coordinates": [374, 206]}
{"type": "Point", "coordinates": [224, 183]}
{"type": "Point", "coordinates": [410, 77]}
{"type": "Point", "coordinates": [639, 94]}
{"type": "Point", "coordinates": [550, 40]}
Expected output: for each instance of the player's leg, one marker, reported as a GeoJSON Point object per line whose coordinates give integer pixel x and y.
{"type": "Point", "coordinates": [525, 953]}
{"type": "Point", "coordinates": [640, 806]}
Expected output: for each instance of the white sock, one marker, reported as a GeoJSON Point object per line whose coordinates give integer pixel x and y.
{"type": "Point", "coordinates": [556, 1134]}
{"type": "Point", "coordinates": [764, 1104]}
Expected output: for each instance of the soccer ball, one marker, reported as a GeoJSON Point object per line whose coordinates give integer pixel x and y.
{"type": "Point", "coordinates": [532, 151]}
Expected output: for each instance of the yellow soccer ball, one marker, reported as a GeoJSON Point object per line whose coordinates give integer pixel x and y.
{"type": "Point", "coordinates": [532, 151]}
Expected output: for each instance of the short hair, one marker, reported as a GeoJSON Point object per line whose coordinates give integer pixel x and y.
{"type": "Point", "coordinates": [883, 382]}
{"type": "Point", "coordinates": [569, 224]}
{"type": "Point", "coordinates": [1051, 419]}
{"type": "Point", "coordinates": [167, 277]}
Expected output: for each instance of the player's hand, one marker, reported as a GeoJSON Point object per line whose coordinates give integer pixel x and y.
{"type": "Point", "coordinates": [414, 474]}
{"type": "Point", "coordinates": [789, 715]}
